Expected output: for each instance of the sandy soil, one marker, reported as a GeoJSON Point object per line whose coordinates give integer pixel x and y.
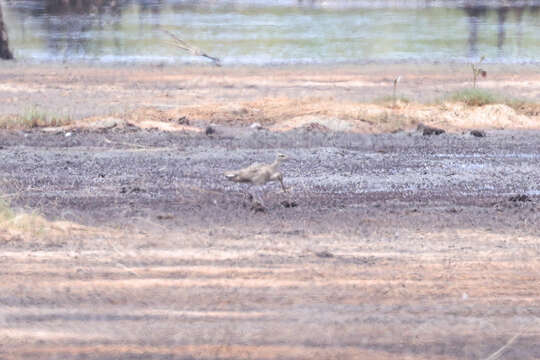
{"type": "Point", "coordinates": [273, 95]}
{"type": "Point", "coordinates": [397, 246]}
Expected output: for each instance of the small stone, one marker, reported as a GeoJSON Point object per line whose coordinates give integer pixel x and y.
{"type": "Point", "coordinates": [257, 207]}
{"type": "Point", "coordinates": [256, 126]}
{"type": "Point", "coordinates": [324, 254]}
{"type": "Point", "coordinates": [521, 198]}
{"type": "Point", "coordinates": [289, 204]}
{"type": "Point", "coordinates": [183, 120]}
{"type": "Point", "coordinates": [107, 124]}
{"type": "Point", "coordinates": [429, 130]}
{"type": "Point", "coordinates": [316, 127]}
{"type": "Point", "coordinates": [478, 133]}
{"type": "Point", "coordinates": [209, 130]}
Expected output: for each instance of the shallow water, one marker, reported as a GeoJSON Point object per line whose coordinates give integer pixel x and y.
{"type": "Point", "coordinates": [276, 32]}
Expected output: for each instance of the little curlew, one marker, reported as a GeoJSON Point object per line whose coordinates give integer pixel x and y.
{"type": "Point", "coordinates": [259, 174]}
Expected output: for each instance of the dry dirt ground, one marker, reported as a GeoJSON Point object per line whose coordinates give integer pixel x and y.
{"type": "Point", "coordinates": [126, 242]}
{"type": "Point", "coordinates": [234, 94]}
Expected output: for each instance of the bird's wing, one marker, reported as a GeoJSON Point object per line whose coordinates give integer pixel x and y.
{"type": "Point", "coordinates": [252, 167]}
{"type": "Point", "coordinates": [255, 173]}
{"type": "Point", "coordinates": [251, 170]}
{"type": "Point", "coordinates": [243, 172]}
{"type": "Point", "coordinates": [259, 177]}
{"type": "Point", "coordinates": [249, 173]}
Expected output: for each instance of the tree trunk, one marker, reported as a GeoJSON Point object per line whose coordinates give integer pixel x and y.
{"type": "Point", "coordinates": [5, 53]}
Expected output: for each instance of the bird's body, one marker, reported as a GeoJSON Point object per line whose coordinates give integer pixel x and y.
{"type": "Point", "coordinates": [259, 174]}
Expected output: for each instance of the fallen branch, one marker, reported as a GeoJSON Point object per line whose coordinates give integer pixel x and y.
{"type": "Point", "coordinates": [181, 44]}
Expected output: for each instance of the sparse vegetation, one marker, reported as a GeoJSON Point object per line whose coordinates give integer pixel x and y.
{"type": "Point", "coordinates": [5, 211]}
{"type": "Point", "coordinates": [23, 226]}
{"type": "Point", "coordinates": [524, 106]}
{"type": "Point", "coordinates": [394, 100]}
{"type": "Point", "coordinates": [479, 97]}
{"type": "Point", "coordinates": [475, 97]}
{"type": "Point", "coordinates": [394, 90]}
{"type": "Point", "coordinates": [20, 224]}
{"type": "Point", "coordinates": [33, 118]}
{"type": "Point", "coordinates": [478, 71]}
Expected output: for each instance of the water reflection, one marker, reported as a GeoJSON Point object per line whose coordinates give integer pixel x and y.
{"type": "Point", "coordinates": [68, 25]}
{"type": "Point", "coordinates": [5, 52]}
{"type": "Point", "coordinates": [83, 29]}
{"type": "Point", "coordinates": [151, 9]}
{"type": "Point", "coordinates": [475, 13]}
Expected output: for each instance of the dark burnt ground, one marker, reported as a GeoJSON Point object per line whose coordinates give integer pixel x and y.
{"type": "Point", "coordinates": [400, 246]}
{"type": "Point", "coordinates": [337, 179]}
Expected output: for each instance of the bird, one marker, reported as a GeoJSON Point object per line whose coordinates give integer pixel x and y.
{"type": "Point", "coordinates": [259, 174]}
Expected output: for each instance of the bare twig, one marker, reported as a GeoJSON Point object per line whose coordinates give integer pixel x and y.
{"type": "Point", "coordinates": [477, 71]}
{"type": "Point", "coordinates": [394, 91]}
{"type": "Point", "coordinates": [125, 144]}
{"type": "Point", "coordinates": [181, 44]}
{"type": "Point", "coordinates": [118, 263]}
{"type": "Point", "coordinates": [497, 354]}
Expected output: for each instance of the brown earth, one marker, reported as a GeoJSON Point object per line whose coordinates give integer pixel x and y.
{"type": "Point", "coordinates": [126, 242]}
{"type": "Point", "coordinates": [349, 98]}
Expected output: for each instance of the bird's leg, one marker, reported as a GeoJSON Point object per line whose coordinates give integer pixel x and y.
{"type": "Point", "coordinates": [259, 199]}
{"type": "Point", "coordinates": [280, 178]}
{"type": "Point", "coordinates": [249, 195]}
{"type": "Point", "coordinates": [252, 196]}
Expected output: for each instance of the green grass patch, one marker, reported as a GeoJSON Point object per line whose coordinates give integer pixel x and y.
{"type": "Point", "coordinates": [475, 97]}
{"type": "Point", "coordinates": [480, 97]}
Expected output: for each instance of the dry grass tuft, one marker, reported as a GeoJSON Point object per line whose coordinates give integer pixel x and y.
{"type": "Point", "coordinates": [479, 97]}
{"type": "Point", "coordinates": [5, 211]}
{"type": "Point", "coordinates": [22, 228]}
{"type": "Point", "coordinates": [398, 101]}
{"type": "Point", "coordinates": [524, 107]}
{"type": "Point", "coordinates": [462, 110]}
{"type": "Point", "coordinates": [283, 114]}
{"type": "Point", "coordinates": [475, 97]}
{"type": "Point", "coordinates": [33, 118]}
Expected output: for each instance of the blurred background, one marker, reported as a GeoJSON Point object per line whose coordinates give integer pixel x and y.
{"type": "Point", "coordinates": [274, 32]}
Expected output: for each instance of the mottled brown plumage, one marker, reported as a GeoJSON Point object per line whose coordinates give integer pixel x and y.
{"type": "Point", "coordinates": [259, 174]}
